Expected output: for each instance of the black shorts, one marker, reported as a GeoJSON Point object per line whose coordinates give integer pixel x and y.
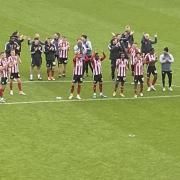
{"type": "Point", "coordinates": [56, 56]}
{"type": "Point", "coordinates": [121, 79]}
{"type": "Point", "coordinates": [98, 78]}
{"type": "Point", "coordinates": [138, 78]}
{"type": "Point", "coordinates": [50, 64]}
{"type": "Point", "coordinates": [151, 70]}
{"type": "Point", "coordinates": [77, 79]}
{"type": "Point", "coordinates": [132, 68]}
{"type": "Point", "coordinates": [36, 62]}
{"type": "Point", "coordinates": [3, 80]}
{"type": "Point", "coordinates": [62, 60]}
{"type": "Point", "coordinates": [14, 76]}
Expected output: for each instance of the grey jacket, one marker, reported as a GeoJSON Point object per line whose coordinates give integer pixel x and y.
{"type": "Point", "coordinates": [166, 60]}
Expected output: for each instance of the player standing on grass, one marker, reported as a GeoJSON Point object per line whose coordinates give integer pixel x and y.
{"type": "Point", "coordinates": [132, 53]}
{"type": "Point", "coordinates": [166, 59]}
{"type": "Point", "coordinates": [4, 74]}
{"type": "Point", "coordinates": [36, 51]}
{"type": "Point", "coordinates": [14, 61]}
{"type": "Point", "coordinates": [11, 45]}
{"type": "Point", "coordinates": [88, 46]}
{"type": "Point", "coordinates": [146, 43]}
{"type": "Point", "coordinates": [64, 47]}
{"type": "Point", "coordinates": [115, 49]}
{"type": "Point", "coordinates": [56, 40]}
{"type": "Point", "coordinates": [151, 60]}
{"type": "Point", "coordinates": [97, 73]}
{"type": "Point", "coordinates": [50, 51]}
{"type": "Point", "coordinates": [78, 61]}
{"type": "Point", "coordinates": [122, 66]}
{"type": "Point", "coordinates": [138, 74]}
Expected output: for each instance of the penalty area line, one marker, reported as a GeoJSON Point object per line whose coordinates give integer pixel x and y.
{"type": "Point", "coordinates": [89, 100]}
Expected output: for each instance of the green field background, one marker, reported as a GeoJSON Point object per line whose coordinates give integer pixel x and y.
{"type": "Point", "coordinates": [90, 140]}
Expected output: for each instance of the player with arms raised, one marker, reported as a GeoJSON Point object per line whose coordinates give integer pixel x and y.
{"type": "Point", "coordinates": [151, 60]}
{"type": "Point", "coordinates": [121, 66]}
{"type": "Point", "coordinates": [4, 73]}
{"type": "Point", "coordinates": [14, 62]}
{"type": "Point", "coordinates": [78, 61]}
{"type": "Point", "coordinates": [97, 73]}
{"type": "Point", "coordinates": [138, 74]}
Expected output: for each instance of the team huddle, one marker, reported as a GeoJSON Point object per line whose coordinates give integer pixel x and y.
{"type": "Point", "coordinates": [124, 54]}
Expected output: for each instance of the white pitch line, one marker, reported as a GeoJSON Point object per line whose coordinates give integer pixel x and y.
{"type": "Point", "coordinates": [26, 82]}
{"type": "Point", "coordinates": [89, 100]}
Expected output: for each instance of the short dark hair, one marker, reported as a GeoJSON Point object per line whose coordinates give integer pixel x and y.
{"type": "Point", "coordinates": [84, 36]}
{"type": "Point", "coordinates": [166, 49]}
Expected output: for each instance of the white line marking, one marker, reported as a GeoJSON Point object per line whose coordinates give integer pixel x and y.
{"type": "Point", "coordinates": [89, 100]}
{"type": "Point", "coordinates": [25, 82]}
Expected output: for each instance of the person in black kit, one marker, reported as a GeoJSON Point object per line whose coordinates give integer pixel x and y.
{"type": "Point", "coordinates": [36, 37]}
{"type": "Point", "coordinates": [18, 39]}
{"type": "Point", "coordinates": [56, 40]}
{"type": "Point", "coordinates": [115, 49]}
{"type": "Point", "coordinates": [146, 44]}
{"type": "Point", "coordinates": [11, 45]}
{"type": "Point", "coordinates": [50, 52]}
{"type": "Point", "coordinates": [36, 51]}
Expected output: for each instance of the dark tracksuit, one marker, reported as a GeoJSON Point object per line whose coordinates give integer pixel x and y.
{"type": "Point", "coordinates": [114, 55]}
{"type": "Point", "coordinates": [11, 45]}
{"type": "Point", "coordinates": [36, 51]}
{"type": "Point", "coordinates": [146, 45]}
{"type": "Point", "coordinates": [50, 51]}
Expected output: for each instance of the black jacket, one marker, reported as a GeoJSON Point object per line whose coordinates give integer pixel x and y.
{"type": "Point", "coordinates": [50, 51]}
{"type": "Point", "coordinates": [114, 52]}
{"type": "Point", "coordinates": [11, 45]}
{"type": "Point", "coordinates": [146, 45]}
{"type": "Point", "coordinates": [36, 51]}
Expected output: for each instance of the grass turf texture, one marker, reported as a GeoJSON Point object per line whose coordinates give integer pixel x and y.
{"type": "Point", "coordinates": [90, 140]}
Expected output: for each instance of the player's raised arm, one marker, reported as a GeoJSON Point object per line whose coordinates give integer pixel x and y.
{"type": "Point", "coordinates": [103, 57]}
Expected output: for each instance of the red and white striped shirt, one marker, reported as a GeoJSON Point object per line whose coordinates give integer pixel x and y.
{"type": "Point", "coordinates": [13, 60]}
{"type": "Point", "coordinates": [78, 65]}
{"type": "Point", "coordinates": [132, 52]}
{"type": "Point", "coordinates": [96, 66]}
{"type": "Point", "coordinates": [138, 67]}
{"type": "Point", "coordinates": [150, 58]}
{"type": "Point", "coordinates": [63, 49]}
{"type": "Point", "coordinates": [121, 65]}
{"type": "Point", "coordinates": [5, 68]}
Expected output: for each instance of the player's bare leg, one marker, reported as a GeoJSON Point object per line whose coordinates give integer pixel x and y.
{"type": "Point", "coordinates": [64, 70]}
{"type": "Point", "coordinates": [115, 89]}
{"type": "Point", "coordinates": [122, 89]}
{"type": "Point", "coordinates": [148, 84]}
{"type": "Point", "coordinates": [72, 91]}
{"type": "Point", "coordinates": [141, 89]}
{"type": "Point", "coordinates": [20, 87]}
{"type": "Point", "coordinates": [31, 73]}
{"type": "Point", "coordinates": [49, 74]}
{"type": "Point", "coordinates": [94, 89]}
{"type": "Point", "coordinates": [60, 69]}
{"type": "Point", "coordinates": [78, 91]}
{"type": "Point", "coordinates": [11, 87]}
{"type": "Point", "coordinates": [52, 74]}
{"type": "Point", "coordinates": [154, 82]}
{"type": "Point", "coordinates": [135, 89]}
{"type": "Point", "coordinates": [2, 100]}
{"type": "Point", "coordinates": [39, 73]}
{"type": "Point", "coordinates": [101, 90]}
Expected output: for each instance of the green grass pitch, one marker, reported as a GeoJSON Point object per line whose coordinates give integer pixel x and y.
{"type": "Point", "coordinates": [111, 139]}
